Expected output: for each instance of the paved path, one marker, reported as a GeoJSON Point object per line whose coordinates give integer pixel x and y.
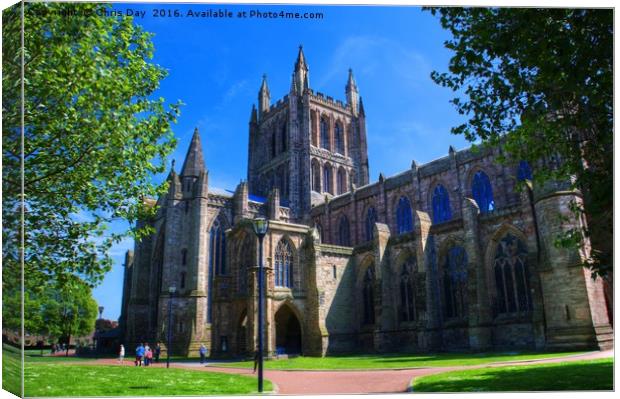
{"type": "Point", "coordinates": [301, 382]}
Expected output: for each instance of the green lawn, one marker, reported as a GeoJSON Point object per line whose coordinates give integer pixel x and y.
{"type": "Point", "coordinates": [566, 376]}
{"type": "Point", "coordinates": [51, 376]}
{"type": "Point", "coordinates": [394, 361]}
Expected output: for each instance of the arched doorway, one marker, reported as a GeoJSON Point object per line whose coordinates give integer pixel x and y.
{"type": "Point", "coordinates": [288, 332]}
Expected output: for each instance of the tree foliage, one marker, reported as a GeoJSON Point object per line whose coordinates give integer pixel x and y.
{"type": "Point", "coordinates": [95, 134]}
{"type": "Point", "coordinates": [540, 83]}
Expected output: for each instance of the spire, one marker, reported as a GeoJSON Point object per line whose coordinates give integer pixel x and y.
{"type": "Point", "coordinates": [301, 64]}
{"type": "Point", "coordinates": [194, 161]}
{"type": "Point", "coordinates": [172, 172]}
{"type": "Point", "coordinates": [352, 93]}
{"type": "Point", "coordinates": [300, 77]}
{"type": "Point", "coordinates": [361, 111]}
{"type": "Point", "coordinates": [264, 97]}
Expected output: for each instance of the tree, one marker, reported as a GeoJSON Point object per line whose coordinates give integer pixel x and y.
{"type": "Point", "coordinates": [540, 83]}
{"type": "Point", "coordinates": [67, 311]}
{"type": "Point", "coordinates": [94, 137]}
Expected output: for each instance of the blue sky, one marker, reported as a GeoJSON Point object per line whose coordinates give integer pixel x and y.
{"type": "Point", "coordinates": [215, 67]}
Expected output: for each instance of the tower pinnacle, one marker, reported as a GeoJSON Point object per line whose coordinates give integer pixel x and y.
{"type": "Point", "coordinates": [352, 93]}
{"type": "Point", "coordinates": [264, 97]}
{"type": "Point", "coordinates": [194, 160]}
{"type": "Point", "coordinates": [300, 77]}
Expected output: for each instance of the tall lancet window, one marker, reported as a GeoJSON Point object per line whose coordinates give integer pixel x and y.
{"type": "Point", "coordinates": [217, 259]}
{"type": "Point", "coordinates": [511, 276]}
{"type": "Point", "coordinates": [368, 296]}
{"type": "Point", "coordinates": [371, 219]}
{"type": "Point", "coordinates": [441, 205]}
{"type": "Point", "coordinates": [327, 178]}
{"type": "Point", "coordinates": [325, 134]}
{"type": "Point", "coordinates": [483, 192]}
{"type": "Point", "coordinates": [455, 283]}
{"type": "Point", "coordinates": [404, 220]}
{"type": "Point", "coordinates": [342, 181]}
{"type": "Point", "coordinates": [284, 264]}
{"type": "Point", "coordinates": [339, 136]}
{"type": "Point", "coordinates": [407, 289]}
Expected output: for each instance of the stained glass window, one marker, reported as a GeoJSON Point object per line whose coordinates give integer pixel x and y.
{"type": "Point", "coordinates": [217, 259]}
{"type": "Point", "coordinates": [371, 219]}
{"type": "Point", "coordinates": [511, 276]}
{"type": "Point", "coordinates": [316, 176]}
{"type": "Point", "coordinates": [441, 205]}
{"type": "Point", "coordinates": [407, 301]}
{"type": "Point", "coordinates": [284, 265]}
{"type": "Point", "coordinates": [339, 138]}
{"type": "Point", "coordinates": [455, 283]}
{"type": "Point", "coordinates": [342, 179]}
{"type": "Point", "coordinates": [483, 192]}
{"type": "Point", "coordinates": [327, 179]}
{"type": "Point", "coordinates": [325, 134]}
{"type": "Point", "coordinates": [404, 222]}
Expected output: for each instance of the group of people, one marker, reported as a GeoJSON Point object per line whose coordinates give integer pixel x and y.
{"type": "Point", "coordinates": [145, 355]}
{"type": "Point", "coordinates": [58, 348]}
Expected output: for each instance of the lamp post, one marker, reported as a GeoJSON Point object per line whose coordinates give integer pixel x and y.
{"type": "Point", "coordinates": [260, 226]}
{"type": "Point", "coordinates": [171, 291]}
{"type": "Point", "coordinates": [101, 312]}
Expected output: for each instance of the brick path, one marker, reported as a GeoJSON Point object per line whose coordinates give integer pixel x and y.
{"type": "Point", "coordinates": [301, 382]}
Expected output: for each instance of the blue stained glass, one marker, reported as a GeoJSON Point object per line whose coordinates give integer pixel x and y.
{"type": "Point", "coordinates": [283, 265]}
{"type": "Point", "coordinates": [483, 192]}
{"type": "Point", "coordinates": [339, 139]}
{"type": "Point", "coordinates": [404, 219]}
{"type": "Point", "coordinates": [324, 134]}
{"type": "Point", "coordinates": [441, 205]}
{"type": "Point", "coordinates": [371, 219]}
{"type": "Point", "coordinates": [327, 179]}
{"type": "Point", "coordinates": [455, 283]}
{"type": "Point", "coordinates": [524, 172]}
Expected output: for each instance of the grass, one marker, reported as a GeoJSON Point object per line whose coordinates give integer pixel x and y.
{"type": "Point", "coordinates": [394, 361]}
{"type": "Point", "coordinates": [583, 375]}
{"type": "Point", "coordinates": [51, 376]}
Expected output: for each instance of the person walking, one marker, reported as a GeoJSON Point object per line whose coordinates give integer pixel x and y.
{"type": "Point", "coordinates": [147, 349]}
{"type": "Point", "coordinates": [139, 355]}
{"type": "Point", "coordinates": [121, 354]}
{"type": "Point", "coordinates": [157, 352]}
{"type": "Point", "coordinates": [203, 353]}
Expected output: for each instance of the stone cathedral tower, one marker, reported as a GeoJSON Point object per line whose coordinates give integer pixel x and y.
{"type": "Point", "coordinates": [307, 144]}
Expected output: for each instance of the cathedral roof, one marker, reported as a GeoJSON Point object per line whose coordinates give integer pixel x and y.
{"type": "Point", "coordinates": [194, 160]}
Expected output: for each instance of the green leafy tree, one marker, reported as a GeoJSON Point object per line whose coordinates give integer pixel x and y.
{"type": "Point", "coordinates": [95, 135]}
{"type": "Point", "coordinates": [69, 311]}
{"type": "Point", "coordinates": [540, 83]}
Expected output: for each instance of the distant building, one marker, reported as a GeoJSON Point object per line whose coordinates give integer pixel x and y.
{"type": "Point", "coordinates": [448, 255]}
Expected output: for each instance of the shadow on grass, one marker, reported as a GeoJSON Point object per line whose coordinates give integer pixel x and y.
{"type": "Point", "coordinates": [574, 376]}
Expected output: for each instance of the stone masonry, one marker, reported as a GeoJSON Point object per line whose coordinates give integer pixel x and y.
{"type": "Point", "coordinates": [352, 266]}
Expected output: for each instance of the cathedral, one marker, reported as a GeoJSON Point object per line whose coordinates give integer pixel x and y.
{"type": "Point", "coordinates": [456, 254]}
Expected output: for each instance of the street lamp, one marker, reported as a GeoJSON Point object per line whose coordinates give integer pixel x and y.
{"type": "Point", "coordinates": [171, 291]}
{"type": "Point", "coordinates": [101, 312]}
{"type": "Point", "coordinates": [260, 226]}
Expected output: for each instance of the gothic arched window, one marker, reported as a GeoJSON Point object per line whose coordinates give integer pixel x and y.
{"type": "Point", "coordinates": [339, 138]}
{"type": "Point", "coordinates": [368, 295]}
{"type": "Point", "coordinates": [483, 192]}
{"type": "Point", "coordinates": [441, 205]}
{"type": "Point", "coordinates": [284, 264]}
{"type": "Point", "coordinates": [342, 180]}
{"type": "Point", "coordinates": [247, 261]}
{"type": "Point", "coordinates": [316, 176]}
{"type": "Point", "coordinates": [404, 221]}
{"type": "Point", "coordinates": [407, 301]}
{"type": "Point", "coordinates": [327, 179]}
{"type": "Point", "coordinates": [371, 219]}
{"type": "Point", "coordinates": [344, 237]}
{"type": "Point", "coordinates": [325, 134]}
{"type": "Point", "coordinates": [217, 249]}
{"type": "Point", "coordinates": [511, 276]}
{"type": "Point", "coordinates": [455, 283]}
{"type": "Point", "coordinates": [524, 172]}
